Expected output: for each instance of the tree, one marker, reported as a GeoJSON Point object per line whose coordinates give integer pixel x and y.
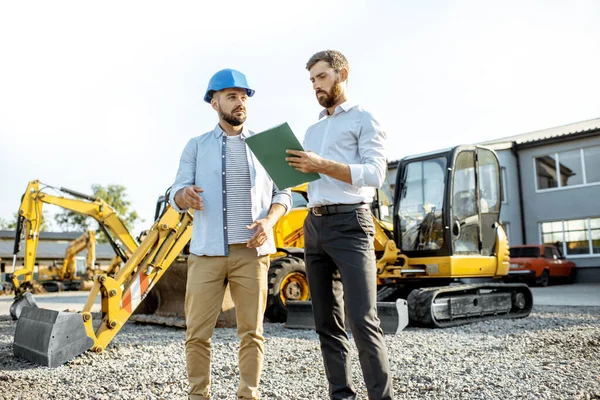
{"type": "Point", "coordinates": [11, 225]}
{"type": "Point", "coordinates": [115, 196]}
{"type": "Point", "coordinates": [8, 225]}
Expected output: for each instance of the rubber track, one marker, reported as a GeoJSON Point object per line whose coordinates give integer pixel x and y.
{"type": "Point", "coordinates": [420, 302]}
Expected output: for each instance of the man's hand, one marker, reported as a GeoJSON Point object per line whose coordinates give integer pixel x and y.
{"type": "Point", "coordinates": [262, 226]}
{"type": "Point", "coordinates": [306, 161]}
{"type": "Point", "coordinates": [188, 197]}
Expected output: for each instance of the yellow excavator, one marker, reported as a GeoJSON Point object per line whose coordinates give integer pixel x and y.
{"type": "Point", "coordinates": [66, 276]}
{"type": "Point", "coordinates": [60, 336]}
{"type": "Point", "coordinates": [446, 253]}
{"type": "Point", "coordinates": [68, 269]}
{"type": "Point", "coordinates": [445, 230]}
{"type": "Point", "coordinates": [69, 275]}
{"type": "Point", "coordinates": [28, 229]}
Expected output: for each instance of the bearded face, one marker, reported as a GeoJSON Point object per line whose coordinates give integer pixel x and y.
{"type": "Point", "coordinates": [236, 117]}
{"type": "Point", "coordinates": [329, 98]}
{"type": "Point", "coordinates": [230, 105]}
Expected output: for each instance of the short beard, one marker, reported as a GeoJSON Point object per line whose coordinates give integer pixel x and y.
{"type": "Point", "coordinates": [232, 119]}
{"type": "Point", "coordinates": [332, 96]}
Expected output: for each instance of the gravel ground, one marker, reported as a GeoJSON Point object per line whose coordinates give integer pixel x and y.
{"type": "Point", "coordinates": [552, 354]}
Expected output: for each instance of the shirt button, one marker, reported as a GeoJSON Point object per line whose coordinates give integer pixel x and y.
{"type": "Point", "coordinates": [223, 156]}
{"type": "Point", "coordinates": [224, 209]}
{"type": "Point", "coordinates": [223, 191]}
{"type": "Point", "coordinates": [223, 173]}
{"type": "Point", "coordinates": [225, 227]}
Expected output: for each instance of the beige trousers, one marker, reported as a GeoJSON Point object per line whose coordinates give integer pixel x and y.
{"type": "Point", "coordinates": [246, 274]}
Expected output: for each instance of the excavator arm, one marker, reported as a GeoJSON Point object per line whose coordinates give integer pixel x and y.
{"type": "Point", "coordinates": [64, 335]}
{"type": "Point", "coordinates": [29, 225]}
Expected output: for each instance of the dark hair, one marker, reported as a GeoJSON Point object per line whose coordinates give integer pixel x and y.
{"type": "Point", "coordinates": [334, 58]}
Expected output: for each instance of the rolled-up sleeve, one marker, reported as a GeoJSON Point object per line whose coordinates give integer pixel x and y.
{"type": "Point", "coordinates": [371, 148]}
{"type": "Point", "coordinates": [283, 197]}
{"type": "Point", "coordinates": [185, 173]}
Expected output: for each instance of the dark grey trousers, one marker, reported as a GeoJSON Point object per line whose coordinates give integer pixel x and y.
{"type": "Point", "coordinates": [340, 264]}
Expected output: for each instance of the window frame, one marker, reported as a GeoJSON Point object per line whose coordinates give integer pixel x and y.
{"type": "Point", "coordinates": [556, 169]}
{"type": "Point", "coordinates": [503, 187]}
{"type": "Point", "coordinates": [563, 250]}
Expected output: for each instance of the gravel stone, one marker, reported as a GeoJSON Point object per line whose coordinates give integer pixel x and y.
{"type": "Point", "coordinates": [552, 354]}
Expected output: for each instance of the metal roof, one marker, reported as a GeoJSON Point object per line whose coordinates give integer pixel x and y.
{"type": "Point", "coordinates": [53, 251]}
{"type": "Point", "coordinates": [591, 127]}
{"type": "Point", "coordinates": [563, 132]}
{"type": "Point", "coordinates": [44, 235]}
{"type": "Point", "coordinates": [52, 245]}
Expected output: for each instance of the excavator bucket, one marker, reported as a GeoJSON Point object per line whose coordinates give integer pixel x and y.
{"type": "Point", "coordinates": [299, 315]}
{"type": "Point", "coordinates": [49, 337]}
{"type": "Point", "coordinates": [26, 300]}
{"type": "Point", "coordinates": [393, 316]}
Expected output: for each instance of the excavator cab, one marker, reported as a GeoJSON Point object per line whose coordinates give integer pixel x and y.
{"type": "Point", "coordinates": [446, 225]}
{"type": "Point", "coordinates": [448, 203]}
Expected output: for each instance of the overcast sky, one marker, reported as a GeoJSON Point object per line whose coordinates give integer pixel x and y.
{"type": "Point", "coordinates": [110, 92]}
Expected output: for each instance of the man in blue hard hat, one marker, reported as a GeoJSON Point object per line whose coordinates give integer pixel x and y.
{"type": "Point", "coordinates": [235, 207]}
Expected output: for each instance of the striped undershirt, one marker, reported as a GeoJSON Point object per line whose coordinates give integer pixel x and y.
{"type": "Point", "coordinates": [239, 206]}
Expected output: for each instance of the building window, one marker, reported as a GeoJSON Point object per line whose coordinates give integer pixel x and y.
{"type": "Point", "coordinates": [595, 234]}
{"type": "Point", "coordinates": [503, 191]}
{"type": "Point", "coordinates": [575, 237]}
{"type": "Point", "coordinates": [568, 168]}
{"type": "Point", "coordinates": [591, 158]}
{"type": "Point", "coordinates": [552, 233]}
{"type": "Point", "coordinates": [545, 168]}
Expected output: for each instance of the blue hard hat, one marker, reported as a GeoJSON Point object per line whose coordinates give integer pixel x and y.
{"type": "Point", "coordinates": [224, 79]}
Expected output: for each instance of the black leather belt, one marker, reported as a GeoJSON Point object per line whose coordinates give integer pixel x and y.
{"type": "Point", "coordinates": [337, 209]}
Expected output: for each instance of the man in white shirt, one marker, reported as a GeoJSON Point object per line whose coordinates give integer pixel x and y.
{"type": "Point", "coordinates": [346, 147]}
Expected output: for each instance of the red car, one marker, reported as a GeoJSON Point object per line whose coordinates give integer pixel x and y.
{"type": "Point", "coordinates": [537, 264]}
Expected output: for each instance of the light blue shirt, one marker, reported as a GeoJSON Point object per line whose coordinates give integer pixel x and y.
{"type": "Point", "coordinates": [350, 136]}
{"type": "Point", "coordinates": [203, 164]}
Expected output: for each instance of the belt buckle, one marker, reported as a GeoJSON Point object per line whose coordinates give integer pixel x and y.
{"type": "Point", "coordinates": [314, 212]}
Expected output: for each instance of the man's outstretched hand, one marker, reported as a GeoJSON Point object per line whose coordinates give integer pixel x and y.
{"type": "Point", "coordinates": [188, 197]}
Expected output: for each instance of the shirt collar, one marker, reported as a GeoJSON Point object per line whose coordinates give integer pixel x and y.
{"type": "Point", "coordinates": [219, 132]}
{"type": "Point", "coordinates": [344, 107]}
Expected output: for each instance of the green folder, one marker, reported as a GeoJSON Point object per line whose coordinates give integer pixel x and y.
{"type": "Point", "coordinates": [269, 148]}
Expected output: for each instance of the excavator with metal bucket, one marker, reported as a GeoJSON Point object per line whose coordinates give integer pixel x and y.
{"type": "Point", "coordinates": [52, 338]}
{"type": "Point", "coordinates": [29, 225]}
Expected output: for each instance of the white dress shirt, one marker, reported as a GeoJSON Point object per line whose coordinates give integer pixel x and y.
{"type": "Point", "coordinates": [350, 136]}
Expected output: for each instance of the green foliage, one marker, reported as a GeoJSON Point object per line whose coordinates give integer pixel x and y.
{"type": "Point", "coordinates": [8, 225]}
{"type": "Point", "coordinates": [115, 196]}
{"type": "Point", "coordinates": [11, 225]}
